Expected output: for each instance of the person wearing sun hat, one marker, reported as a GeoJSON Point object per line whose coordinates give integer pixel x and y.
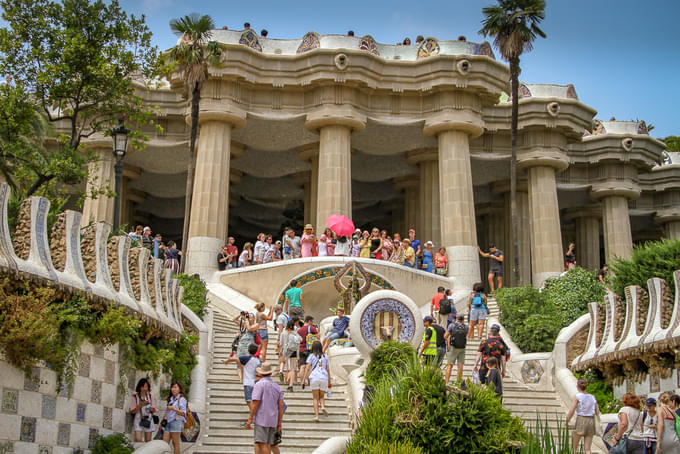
{"type": "Point", "coordinates": [266, 410]}
{"type": "Point", "coordinates": [428, 258]}
{"type": "Point", "coordinates": [307, 241]}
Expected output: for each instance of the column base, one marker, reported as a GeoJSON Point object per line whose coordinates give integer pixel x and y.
{"type": "Point", "coordinates": [540, 278]}
{"type": "Point", "coordinates": [463, 266]}
{"type": "Point", "coordinates": [202, 256]}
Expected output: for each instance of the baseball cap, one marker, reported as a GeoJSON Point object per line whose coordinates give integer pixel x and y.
{"type": "Point", "coordinates": [428, 319]}
{"type": "Point", "coordinates": [651, 401]}
{"type": "Point", "coordinates": [496, 327]}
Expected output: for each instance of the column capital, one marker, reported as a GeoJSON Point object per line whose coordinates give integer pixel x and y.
{"type": "Point", "coordinates": [309, 151]}
{"type": "Point", "coordinates": [455, 120]}
{"type": "Point", "coordinates": [218, 110]}
{"type": "Point", "coordinates": [667, 215]}
{"type": "Point", "coordinates": [623, 188]}
{"type": "Point", "coordinates": [503, 186]}
{"type": "Point", "coordinates": [415, 157]}
{"type": "Point", "coordinates": [302, 178]}
{"type": "Point", "coordinates": [335, 115]}
{"type": "Point", "coordinates": [409, 181]}
{"type": "Point", "coordinates": [544, 158]}
{"type": "Point", "coordinates": [587, 211]}
{"type": "Point", "coordinates": [494, 206]}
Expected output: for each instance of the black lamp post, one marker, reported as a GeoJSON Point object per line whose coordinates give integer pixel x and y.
{"type": "Point", "coordinates": [120, 140]}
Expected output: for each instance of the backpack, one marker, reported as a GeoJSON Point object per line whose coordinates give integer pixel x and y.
{"type": "Point", "coordinates": [478, 301]}
{"type": "Point", "coordinates": [459, 335]}
{"type": "Point", "coordinates": [445, 306]}
{"type": "Point", "coordinates": [293, 343]}
{"type": "Point", "coordinates": [311, 338]}
{"type": "Point", "coordinates": [677, 424]}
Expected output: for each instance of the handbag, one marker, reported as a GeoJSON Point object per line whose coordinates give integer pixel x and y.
{"type": "Point", "coordinates": [622, 446]}
{"type": "Point", "coordinates": [258, 339]}
{"type": "Point", "coordinates": [189, 419]}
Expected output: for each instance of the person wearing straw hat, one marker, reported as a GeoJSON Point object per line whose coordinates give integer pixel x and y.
{"type": "Point", "coordinates": [307, 241]}
{"type": "Point", "coordinates": [266, 411]}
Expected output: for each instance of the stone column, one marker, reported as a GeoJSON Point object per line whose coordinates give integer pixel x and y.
{"type": "Point", "coordinates": [411, 188]}
{"type": "Point", "coordinates": [100, 175]}
{"type": "Point", "coordinates": [335, 125]}
{"type": "Point", "coordinates": [587, 220]}
{"type": "Point", "coordinates": [429, 222]}
{"type": "Point", "coordinates": [524, 234]}
{"type": "Point", "coordinates": [303, 179]}
{"type": "Point", "coordinates": [670, 220]}
{"type": "Point", "coordinates": [311, 153]}
{"type": "Point", "coordinates": [614, 196]}
{"type": "Point", "coordinates": [453, 130]}
{"type": "Point", "coordinates": [210, 204]}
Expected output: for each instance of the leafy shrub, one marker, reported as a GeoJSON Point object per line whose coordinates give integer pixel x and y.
{"type": "Point", "coordinates": [415, 406]}
{"type": "Point", "coordinates": [544, 440]}
{"type": "Point", "coordinates": [532, 323]}
{"type": "Point", "coordinates": [572, 292]}
{"type": "Point", "coordinates": [387, 359]}
{"type": "Point", "coordinates": [194, 293]}
{"type": "Point", "coordinates": [385, 447]}
{"type": "Point", "coordinates": [113, 444]}
{"type": "Point", "coordinates": [652, 259]}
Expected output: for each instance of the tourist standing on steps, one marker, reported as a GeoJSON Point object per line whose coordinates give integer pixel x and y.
{"type": "Point", "coordinates": [281, 319]}
{"type": "Point", "coordinates": [143, 407]}
{"type": "Point", "coordinates": [428, 258]}
{"type": "Point", "coordinates": [266, 412]}
{"type": "Point", "coordinates": [630, 425]}
{"type": "Point", "coordinates": [258, 250]}
{"type": "Point", "coordinates": [175, 416]}
{"type": "Point", "coordinates": [365, 245]}
{"type": "Point", "coordinates": [319, 375]}
{"type": "Point", "coordinates": [435, 304]}
{"type": "Point", "coordinates": [247, 327]}
{"type": "Point", "coordinates": [248, 363]}
{"type": "Point", "coordinates": [290, 344]}
{"type": "Point", "coordinates": [306, 330]}
{"type": "Point", "coordinates": [585, 407]}
{"type": "Point", "coordinates": [434, 344]}
{"type": "Point", "coordinates": [376, 244]}
{"type": "Point", "coordinates": [493, 346]}
{"type": "Point", "coordinates": [261, 319]}
{"type": "Point", "coordinates": [477, 306]}
{"type": "Point", "coordinates": [223, 259]}
{"type": "Point", "coordinates": [441, 262]}
{"type": "Point", "coordinates": [493, 377]}
{"type": "Point", "coordinates": [294, 301]}
{"type": "Point", "coordinates": [418, 252]}
{"type": "Point", "coordinates": [570, 257]}
{"type": "Point", "coordinates": [495, 257]}
{"type": "Point", "coordinates": [666, 437]}
{"type": "Point", "coordinates": [232, 250]}
{"type": "Point", "coordinates": [307, 241]}
{"type": "Point", "coordinates": [291, 245]}
{"type": "Point", "coordinates": [649, 419]}
{"type": "Point", "coordinates": [172, 255]}
{"type": "Point", "coordinates": [456, 338]}
{"type": "Point", "coordinates": [246, 256]}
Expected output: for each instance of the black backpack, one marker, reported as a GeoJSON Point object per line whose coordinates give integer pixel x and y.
{"type": "Point", "coordinates": [445, 306]}
{"type": "Point", "coordinates": [458, 335]}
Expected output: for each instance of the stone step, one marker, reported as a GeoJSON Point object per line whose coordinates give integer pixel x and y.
{"type": "Point", "coordinates": [233, 419]}
{"type": "Point", "coordinates": [287, 447]}
{"type": "Point", "coordinates": [221, 401]}
{"type": "Point", "coordinates": [216, 433]}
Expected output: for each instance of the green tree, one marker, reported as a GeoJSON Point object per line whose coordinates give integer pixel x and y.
{"type": "Point", "coordinates": [191, 57]}
{"type": "Point", "coordinates": [77, 60]}
{"type": "Point", "coordinates": [514, 26]}
{"type": "Point", "coordinates": [672, 143]}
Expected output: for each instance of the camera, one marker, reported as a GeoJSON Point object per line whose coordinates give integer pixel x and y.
{"type": "Point", "coordinates": [277, 439]}
{"type": "Point", "coordinates": [164, 423]}
{"type": "Point", "coordinates": [145, 422]}
{"type": "Point", "coordinates": [244, 313]}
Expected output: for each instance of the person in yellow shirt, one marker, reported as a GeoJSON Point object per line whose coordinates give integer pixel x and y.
{"type": "Point", "coordinates": [409, 254]}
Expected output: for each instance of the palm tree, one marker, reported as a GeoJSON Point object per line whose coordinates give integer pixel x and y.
{"type": "Point", "coordinates": [514, 26]}
{"type": "Point", "coordinates": [191, 57]}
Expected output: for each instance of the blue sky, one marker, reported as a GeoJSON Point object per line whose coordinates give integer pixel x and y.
{"type": "Point", "coordinates": [622, 56]}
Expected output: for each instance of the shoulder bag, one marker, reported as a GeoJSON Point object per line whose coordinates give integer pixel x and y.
{"type": "Point", "coordinates": [622, 446]}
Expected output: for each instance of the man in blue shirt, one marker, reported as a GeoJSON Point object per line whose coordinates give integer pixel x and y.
{"type": "Point", "coordinates": [415, 244]}
{"type": "Point", "coordinates": [340, 328]}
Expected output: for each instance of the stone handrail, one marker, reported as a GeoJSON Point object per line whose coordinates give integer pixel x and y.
{"type": "Point", "coordinates": [87, 262]}
{"type": "Point", "coordinates": [643, 327]}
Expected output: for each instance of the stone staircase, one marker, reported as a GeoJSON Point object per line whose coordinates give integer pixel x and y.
{"type": "Point", "coordinates": [227, 407]}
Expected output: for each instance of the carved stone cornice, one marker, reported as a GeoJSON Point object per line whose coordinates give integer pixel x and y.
{"type": "Point", "coordinates": [414, 157]}
{"type": "Point", "coordinates": [410, 181]}
{"type": "Point", "coordinates": [332, 115]}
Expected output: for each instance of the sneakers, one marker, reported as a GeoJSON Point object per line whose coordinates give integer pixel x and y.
{"type": "Point", "coordinates": [290, 388]}
{"type": "Point", "coordinates": [324, 411]}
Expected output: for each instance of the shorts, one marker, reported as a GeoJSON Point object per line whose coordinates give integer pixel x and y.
{"type": "Point", "coordinates": [303, 357]}
{"type": "Point", "coordinates": [296, 312]}
{"type": "Point", "coordinates": [174, 426]}
{"type": "Point", "coordinates": [585, 426]}
{"type": "Point", "coordinates": [477, 314]}
{"type": "Point", "coordinates": [496, 273]}
{"type": "Point", "coordinates": [455, 355]}
{"type": "Point", "coordinates": [248, 393]}
{"type": "Point", "coordinates": [321, 385]}
{"type": "Point", "coordinates": [264, 434]}
{"type": "Point", "coordinates": [335, 335]}
{"type": "Point", "coordinates": [264, 334]}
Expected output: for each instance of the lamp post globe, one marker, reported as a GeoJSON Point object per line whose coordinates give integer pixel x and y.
{"type": "Point", "coordinates": [119, 134]}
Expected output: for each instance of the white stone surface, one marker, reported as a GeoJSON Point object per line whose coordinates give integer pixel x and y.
{"type": "Point", "coordinates": [154, 447]}
{"type": "Point", "coordinates": [202, 255]}
{"type": "Point", "coordinates": [463, 266]}
{"type": "Point", "coordinates": [333, 445]}
{"type": "Point", "coordinates": [9, 426]}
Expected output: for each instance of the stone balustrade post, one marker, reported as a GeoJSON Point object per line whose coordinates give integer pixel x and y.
{"type": "Point", "coordinates": [428, 222]}
{"type": "Point", "coordinates": [335, 125]}
{"type": "Point", "coordinates": [210, 203]}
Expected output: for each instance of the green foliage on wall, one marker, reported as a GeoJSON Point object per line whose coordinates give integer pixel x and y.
{"type": "Point", "coordinates": [388, 359]}
{"type": "Point", "coordinates": [572, 293]}
{"type": "Point", "coordinates": [113, 444]}
{"type": "Point", "coordinates": [415, 406]}
{"type": "Point", "coordinates": [652, 259]}
{"type": "Point", "coordinates": [194, 293]}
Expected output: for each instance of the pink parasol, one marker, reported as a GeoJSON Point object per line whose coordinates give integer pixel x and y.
{"type": "Point", "coordinates": [340, 224]}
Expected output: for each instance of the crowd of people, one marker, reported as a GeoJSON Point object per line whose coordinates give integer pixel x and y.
{"type": "Point", "coordinates": [168, 253]}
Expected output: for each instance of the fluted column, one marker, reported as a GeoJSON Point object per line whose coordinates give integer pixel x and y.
{"type": "Point", "coordinates": [335, 126]}
{"type": "Point", "coordinates": [587, 221]}
{"type": "Point", "coordinates": [670, 220]}
{"type": "Point", "coordinates": [303, 179]}
{"type": "Point", "coordinates": [456, 203]}
{"type": "Point", "coordinates": [614, 196]}
{"type": "Point", "coordinates": [210, 203]}
{"type": "Point", "coordinates": [311, 153]}
{"type": "Point", "coordinates": [411, 187]}
{"type": "Point", "coordinates": [100, 176]}
{"type": "Point", "coordinates": [523, 234]}
{"type": "Point", "coordinates": [429, 221]}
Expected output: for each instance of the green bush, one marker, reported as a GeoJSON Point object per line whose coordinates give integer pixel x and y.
{"type": "Point", "coordinates": [544, 440]}
{"type": "Point", "coordinates": [415, 406]}
{"type": "Point", "coordinates": [194, 293]}
{"type": "Point", "coordinates": [113, 444]}
{"type": "Point", "coordinates": [572, 292]}
{"type": "Point", "coordinates": [386, 447]}
{"type": "Point", "coordinates": [387, 359]}
{"type": "Point", "coordinates": [652, 259]}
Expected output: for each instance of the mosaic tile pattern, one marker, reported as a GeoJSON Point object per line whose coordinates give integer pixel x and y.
{"type": "Point", "coordinates": [571, 92]}
{"type": "Point", "coordinates": [249, 38]}
{"type": "Point", "coordinates": [120, 400]}
{"type": "Point", "coordinates": [110, 372]}
{"type": "Point", "coordinates": [484, 49]}
{"type": "Point", "coordinates": [32, 382]}
{"type": "Point", "coordinates": [407, 320]}
{"type": "Point", "coordinates": [309, 41]}
{"type": "Point", "coordinates": [65, 392]}
{"type": "Point", "coordinates": [532, 371]}
{"type": "Point", "coordinates": [368, 44]}
{"type": "Point", "coordinates": [99, 350]}
{"type": "Point", "coordinates": [10, 400]}
{"type": "Point", "coordinates": [6, 447]}
{"type": "Point", "coordinates": [64, 434]}
{"type": "Point", "coordinates": [45, 449]}
{"type": "Point", "coordinates": [84, 369]}
{"type": "Point", "coordinates": [329, 272]}
{"type": "Point", "coordinates": [428, 48]}
{"type": "Point", "coordinates": [92, 438]}
{"type": "Point", "coordinates": [654, 383]}
{"type": "Point", "coordinates": [108, 418]}
{"type": "Point", "coordinates": [96, 394]}
{"type": "Point", "coordinates": [81, 410]}
{"type": "Point", "coordinates": [27, 433]}
{"type": "Point", "coordinates": [131, 381]}
{"type": "Point", "coordinates": [49, 407]}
